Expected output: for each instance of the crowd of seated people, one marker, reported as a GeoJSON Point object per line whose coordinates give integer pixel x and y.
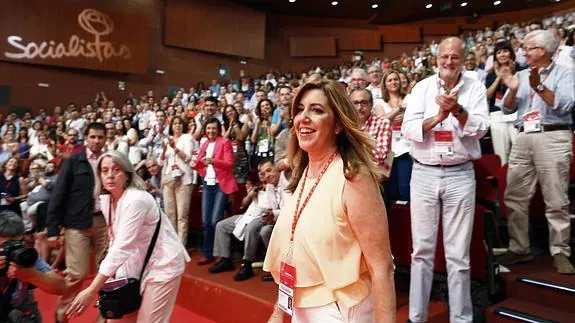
{"type": "Point", "coordinates": [234, 134]}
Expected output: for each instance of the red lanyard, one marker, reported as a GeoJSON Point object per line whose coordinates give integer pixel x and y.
{"type": "Point", "coordinates": [299, 211]}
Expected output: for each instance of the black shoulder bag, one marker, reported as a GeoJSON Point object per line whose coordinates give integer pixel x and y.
{"type": "Point", "coordinates": [117, 301]}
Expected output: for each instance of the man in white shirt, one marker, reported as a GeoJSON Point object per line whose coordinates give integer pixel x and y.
{"type": "Point", "coordinates": [446, 116]}
{"type": "Point", "coordinates": [374, 86]}
{"type": "Point", "coordinates": [254, 225]}
{"type": "Point", "coordinates": [77, 123]}
{"type": "Point", "coordinates": [157, 133]}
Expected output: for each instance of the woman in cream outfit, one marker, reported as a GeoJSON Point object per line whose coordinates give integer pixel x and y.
{"type": "Point", "coordinates": [341, 251]}
{"type": "Point", "coordinates": [177, 176]}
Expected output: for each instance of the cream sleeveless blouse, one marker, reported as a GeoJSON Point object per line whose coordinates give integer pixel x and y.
{"type": "Point", "coordinates": [328, 259]}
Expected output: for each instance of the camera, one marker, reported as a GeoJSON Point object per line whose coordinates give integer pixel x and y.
{"type": "Point", "coordinates": [15, 251]}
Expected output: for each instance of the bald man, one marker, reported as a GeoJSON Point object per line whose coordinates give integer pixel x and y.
{"type": "Point", "coordinates": [446, 116]}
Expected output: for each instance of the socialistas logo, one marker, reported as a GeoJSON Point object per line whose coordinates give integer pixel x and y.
{"type": "Point", "coordinates": [94, 22]}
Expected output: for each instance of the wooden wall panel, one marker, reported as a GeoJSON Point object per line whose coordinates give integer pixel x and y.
{"type": "Point", "coordinates": [312, 46]}
{"type": "Point", "coordinates": [216, 26]}
{"type": "Point", "coordinates": [400, 34]}
{"type": "Point", "coordinates": [73, 35]}
{"type": "Point", "coordinates": [360, 40]}
{"type": "Point", "coordinates": [440, 29]}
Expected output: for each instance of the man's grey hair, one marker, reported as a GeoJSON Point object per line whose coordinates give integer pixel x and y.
{"type": "Point", "coordinates": [362, 72]}
{"type": "Point", "coordinates": [121, 160]}
{"type": "Point", "coordinates": [11, 224]}
{"type": "Point", "coordinates": [375, 67]}
{"type": "Point", "coordinates": [543, 38]}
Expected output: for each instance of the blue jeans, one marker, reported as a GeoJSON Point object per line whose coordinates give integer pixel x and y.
{"type": "Point", "coordinates": [213, 203]}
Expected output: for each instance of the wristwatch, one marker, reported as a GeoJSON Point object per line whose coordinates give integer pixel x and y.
{"type": "Point", "coordinates": [459, 111]}
{"type": "Point", "coordinates": [540, 88]}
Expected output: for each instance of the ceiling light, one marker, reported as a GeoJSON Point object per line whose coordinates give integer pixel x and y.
{"type": "Point", "coordinates": [334, 3]}
{"type": "Point", "coordinates": [374, 6]}
{"type": "Point", "coordinates": [497, 2]}
{"type": "Point", "coordinates": [292, 1]}
{"type": "Point", "coordinates": [464, 4]}
{"type": "Point", "coordinates": [428, 6]}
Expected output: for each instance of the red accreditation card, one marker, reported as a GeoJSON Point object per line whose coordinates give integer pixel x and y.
{"type": "Point", "coordinates": [286, 288]}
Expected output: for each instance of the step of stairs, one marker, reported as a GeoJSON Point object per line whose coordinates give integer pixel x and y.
{"type": "Point", "coordinates": [513, 310]}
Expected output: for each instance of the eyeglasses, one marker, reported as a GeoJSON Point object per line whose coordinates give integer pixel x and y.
{"type": "Point", "coordinates": [532, 48]}
{"type": "Point", "coordinates": [361, 102]}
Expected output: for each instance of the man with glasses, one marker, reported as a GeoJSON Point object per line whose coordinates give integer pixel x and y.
{"type": "Point", "coordinates": [359, 79]}
{"type": "Point", "coordinates": [374, 86]}
{"type": "Point", "coordinates": [446, 116]}
{"type": "Point", "coordinates": [378, 128]}
{"type": "Point", "coordinates": [543, 97]}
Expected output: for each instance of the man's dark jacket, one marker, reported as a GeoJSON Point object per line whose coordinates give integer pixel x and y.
{"type": "Point", "coordinates": [72, 202]}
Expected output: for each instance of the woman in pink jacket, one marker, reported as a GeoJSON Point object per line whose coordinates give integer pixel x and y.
{"type": "Point", "coordinates": [215, 164]}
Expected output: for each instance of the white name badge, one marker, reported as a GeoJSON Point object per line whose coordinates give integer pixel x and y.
{"type": "Point", "coordinates": [532, 122]}
{"type": "Point", "coordinates": [443, 142]}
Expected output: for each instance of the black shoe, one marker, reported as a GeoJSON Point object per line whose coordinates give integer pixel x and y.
{"type": "Point", "coordinates": [268, 278]}
{"type": "Point", "coordinates": [245, 272]}
{"type": "Point", "coordinates": [225, 264]}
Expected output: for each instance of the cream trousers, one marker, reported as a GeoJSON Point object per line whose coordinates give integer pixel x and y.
{"type": "Point", "coordinates": [177, 199]}
{"type": "Point", "coordinates": [336, 313]}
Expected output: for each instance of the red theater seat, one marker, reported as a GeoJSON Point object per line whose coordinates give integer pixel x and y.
{"type": "Point", "coordinates": [401, 244]}
{"type": "Point", "coordinates": [486, 171]}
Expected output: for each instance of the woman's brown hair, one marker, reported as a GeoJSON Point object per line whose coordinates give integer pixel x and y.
{"type": "Point", "coordinates": [384, 92]}
{"type": "Point", "coordinates": [354, 145]}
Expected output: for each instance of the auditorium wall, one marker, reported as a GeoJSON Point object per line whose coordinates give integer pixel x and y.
{"type": "Point", "coordinates": [186, 67]}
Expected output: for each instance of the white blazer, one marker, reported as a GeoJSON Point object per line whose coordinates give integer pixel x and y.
{"type": "Point", "coordinates": [186, 144]}
{"type": "Point", "coordinates": [130, 231]}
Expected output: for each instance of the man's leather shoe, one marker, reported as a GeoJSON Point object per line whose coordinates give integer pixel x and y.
{"type": "Point", "coordinates": [512, 258]}
{"type": "Point", "coordinates": [225, 264]}
{"type": "Point", "coordinates": [246, 272]}
{"type": "Point", "coordinates": [268, 278]}
{"type": "Point", "coordinates": [563, 265]}
{"type": "Point", "coordinates": [206, 261]}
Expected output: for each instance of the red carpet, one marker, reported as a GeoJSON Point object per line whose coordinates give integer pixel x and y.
{"type": "Point", "coordinates": [208, 298]}
{"type": "Point", "coordinates": [222, 299]}
{"type": "Point", "coordinates": [48, 306]}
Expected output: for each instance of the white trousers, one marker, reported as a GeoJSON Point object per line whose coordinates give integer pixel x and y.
{"type": "Point", "coordinates": [336, 313]}
{"type": "Point", "coordinates": [442, 196]}
{"type": "Point", "coordinates": [157, 304]}
{"type": "Point", "coordinates": [503, 134]}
